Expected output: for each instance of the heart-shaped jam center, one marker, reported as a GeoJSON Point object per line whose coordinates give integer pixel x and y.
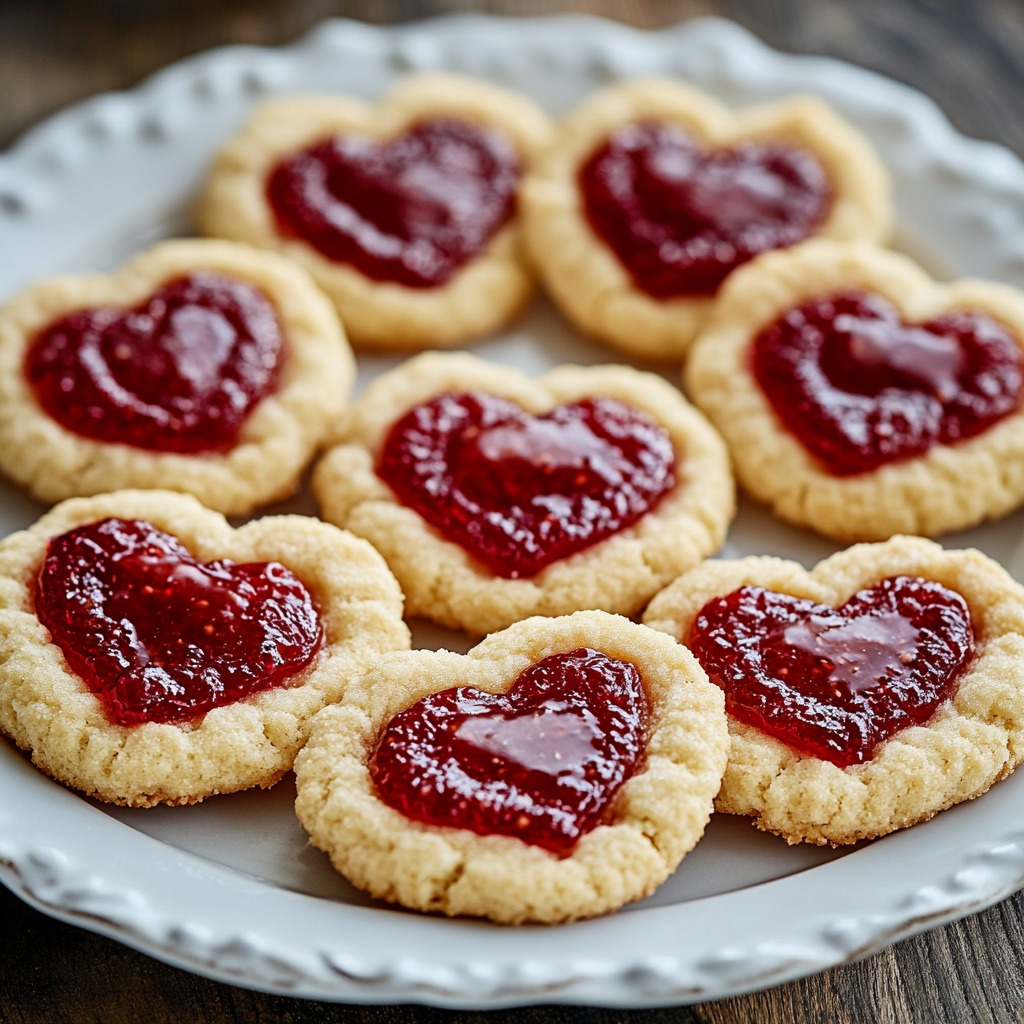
{"type": "Point", "coordinates": [517, 491]}
{"type": "Point", "coordinates": [412, 210]}
{"type": "Point", "coordinates": [161, 637]}
{"type": "Point", "coordinates": [542, 762]}
{"type": "Point", "coordinates": [834, 683]}
{"type": "Point", "coordinates": [680, 218]}
{"type": "Point", "coordinates": [860, 388]}
{"type": "Point", "coordinates": [179, 373]}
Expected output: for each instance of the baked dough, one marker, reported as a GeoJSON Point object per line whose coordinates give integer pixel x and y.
{"type": "Point", "coordinates": [49, 711]}
{"type": "Point", "coordinates": [973, 740]}
{"type": "Point", "coordinates": [444, 583]}
{"type": "Point", "coordinates": [657, 816]}
{"type": "Point", "coordinates": [950, 487]}
{"type": "Point", "coordinates": [276, 441]}
{"type": "Point", "coordinates": [581, 272]}
{"type": "Point", "coordinates": [483, 296]}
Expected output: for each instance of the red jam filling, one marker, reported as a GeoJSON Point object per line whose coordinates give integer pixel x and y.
{"type": "Point", "coordinates": [834, 683]}
{"type": "Point", "coordinates": [541, 763]}
{"type": "Point", "coordinates": [161, 637]}
{"type": "Point", "coordinates": [517, 491]}
{"type": "Point", "coordinates": [860, 388]}
{"type": "Point", "coordinates": [412, 210]}
{"type": "Point", "coordinates": [179, 373]}
{"type": "Point", "coordinates": [681, 218]}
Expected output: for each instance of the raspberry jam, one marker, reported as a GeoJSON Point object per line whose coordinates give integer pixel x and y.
{"type": "Point", "coordinates": [681, 218]}
{"type": "Point", "coordinates": [161, 637]}
{"type": "Point", "coordinates": [541, 763]}
{"type": "Point", "coordinates": [517, 491]}
{"type": "Point", "coordinates": [834, 683]}
{"type": "Point", "coordinates": [859, 388]}
{"type": "Point", "coordinates": [179, 373]}
{"type": "Point", "coordinates": [412, 210]}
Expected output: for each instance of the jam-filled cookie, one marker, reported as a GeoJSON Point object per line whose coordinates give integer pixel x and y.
{"type": "Point", "coordinates": [149, 653]}
{"type": "Point", "coordinates": [405, 212]}
{"type": "Point", "coordinates": [562, 768]}
{"type": "Point", "coordinates": [864, 696]}
{"type": "Point", "coordinates": [494, 497]}
{"type": "Point", "coordinates": [201, 366]}
{"type": "Point", "coordinates": [862, 399]}
{"type": "Point", "coordinates": [654, 193]}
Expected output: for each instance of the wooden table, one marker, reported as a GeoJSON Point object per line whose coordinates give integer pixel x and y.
{"type": "Point", "coordinates": [967, 56]}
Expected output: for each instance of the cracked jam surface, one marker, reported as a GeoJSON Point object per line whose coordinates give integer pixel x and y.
{"type": "Point", "coordinates": [161, 637]}
{"type": "Point", "coordinates": [681, 218]}
{"type": "Point", "coordinates": [412, 210]}
{"type": "Point", "coordinates": [541, 763]}
{"type": "Point", "coordinates": [834, 683]}
{"type": "Point", "coordinates": [518, 492]}
{"type": "Point", "coordinates": [859, 388]}
{"type": "Point", "coordinates": [181, 372]}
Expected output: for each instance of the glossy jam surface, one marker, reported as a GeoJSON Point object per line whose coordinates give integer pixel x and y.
{"type": "Point", "coordinates": [541, 763]}
{"type": "Point", "coordinates": [834, 683]}
{"type": "Point", "coordinates": [179, 373]}
{"type": "Point", "coordinates": [517, 491]}
{"type": "Point", "coordinates": [161, 637]}
{"type": "Point", "coordinates": [680, 218]}
{"type": "Point", "coordinates": [411, 210]}
{"type": "Point", "coordinates": [860, 388]}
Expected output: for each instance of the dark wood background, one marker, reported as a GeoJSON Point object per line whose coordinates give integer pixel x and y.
{"type": "Point", "coordinates": [969, 56]}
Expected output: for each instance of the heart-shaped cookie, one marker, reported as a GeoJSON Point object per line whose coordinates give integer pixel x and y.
{"type": "Point", "coordinates": [517, 491]}
{"type": "Point", "coordinates": [655, 193]}
{"type": "Point", "coordinates": [862, 399]}
{"type": "Point", "coordinates": [404, 211]}
{"type": "Point", "coordinates": [200, 366]}
{"type": "Point", "coordinates": [507, 782]}
{"type": "Point", "coordinates": [542, 762]}
{"type": "Point", "coordinates": [161, 637]}
{"type": "Point", "coordinates": [494, 497]}
{"type": "Point", "coordinates": [152, 654]}
{"type": "Point", "coordinates": [865, 695]}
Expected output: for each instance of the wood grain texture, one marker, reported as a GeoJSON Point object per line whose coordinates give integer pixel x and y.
{"type": "Point", "coordinates": [965, 55]}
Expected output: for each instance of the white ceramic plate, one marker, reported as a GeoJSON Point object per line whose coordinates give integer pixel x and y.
{"type": "Point", "coordinates": [229, 888]}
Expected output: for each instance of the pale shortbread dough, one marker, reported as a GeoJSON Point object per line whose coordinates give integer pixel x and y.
{"type": "Point", "coordinates": [49, 711]}
{"type": "Point", "coordinates": [483, 296]}
{"type": "Point", "coordinates": [656, 818]}
{"type": "Point", "coordinates": [582, 273]}
{"type": "Point", "coordinates": [974, 739]}
{"type": "Point", "coordinates": [443, 583]}
{"type": "Point", "coordinates": [951, 487]}
{"type": "Point", "coordinates": [275, 443]}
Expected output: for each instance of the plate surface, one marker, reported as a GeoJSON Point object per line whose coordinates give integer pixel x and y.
{"type": "Point", "coordinates": [230, 888]}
